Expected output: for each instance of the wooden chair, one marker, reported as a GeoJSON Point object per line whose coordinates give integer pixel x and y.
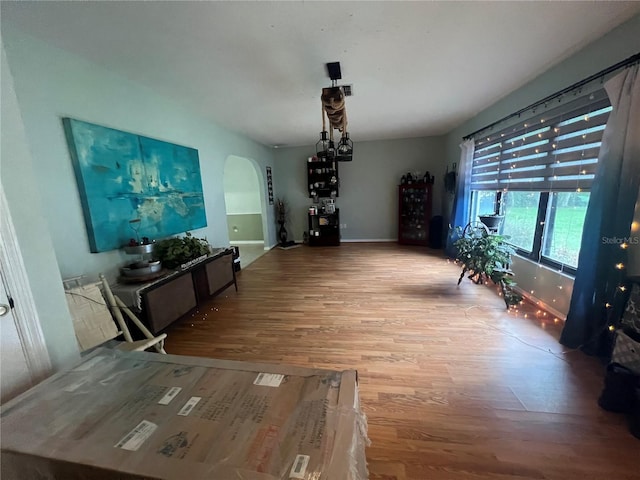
{"type": "Point", "coordinates": [93, 315]}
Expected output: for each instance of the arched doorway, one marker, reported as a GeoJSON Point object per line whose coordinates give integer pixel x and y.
{"type": "Point", "coordinates": [244, 201]}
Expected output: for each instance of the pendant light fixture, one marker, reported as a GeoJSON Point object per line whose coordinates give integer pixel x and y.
{"type": "Point", "coordinates": [345, 148]}
{"type": "Point", "coordinates": [333, 109]}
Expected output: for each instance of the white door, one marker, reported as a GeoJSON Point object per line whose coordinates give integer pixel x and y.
{"type": "Point", "coordinates": [14, 371]}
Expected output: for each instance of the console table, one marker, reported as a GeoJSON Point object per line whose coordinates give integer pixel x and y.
{"type": "Point", "coordinates": [166, 299]}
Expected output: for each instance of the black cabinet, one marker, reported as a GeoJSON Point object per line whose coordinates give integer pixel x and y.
{"type": "Point", "coordinates": [322, 177]}
{"type": "Point", "coordinates": [324, 228]}
{"type": "Point", "coordinates": [415, 213]}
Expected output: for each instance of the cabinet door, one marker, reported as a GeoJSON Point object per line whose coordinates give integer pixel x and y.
{"type": "Point", "coordinates": [219, 273]}
{"type": "Point", "coordinates": [324, 229]}
{"type": "Point", "coordinates": [168, 302]}
{"type": "Point", "coordinates": [415, 213]}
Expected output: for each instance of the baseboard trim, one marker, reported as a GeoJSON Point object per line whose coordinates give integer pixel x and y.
{"type": "Point", "coordinates": [541, 304]}
{"type": "Point", "coordinates": [246, 242]}
{"type": "Point", "coordinates": [368, 240]}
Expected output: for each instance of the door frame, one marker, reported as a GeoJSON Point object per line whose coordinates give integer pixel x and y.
{"type": "Point", "coordinates": [263, 196]}
{"type": "Point", "coordinates": [16, 281]}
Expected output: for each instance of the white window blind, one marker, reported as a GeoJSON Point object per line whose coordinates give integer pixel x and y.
{"type": "Point", "coordinates": [554, 150]}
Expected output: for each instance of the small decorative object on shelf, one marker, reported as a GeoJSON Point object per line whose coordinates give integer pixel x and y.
{"type": "Point", "coordinates": [409, 178]}
{"type": "Point", "coordinates": [145, 267]}
{"type": "Point", "coordinates": [322, 177]}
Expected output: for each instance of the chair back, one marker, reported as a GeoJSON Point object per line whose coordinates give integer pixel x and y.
{"type": "Point", "coordinates": [92, 320]}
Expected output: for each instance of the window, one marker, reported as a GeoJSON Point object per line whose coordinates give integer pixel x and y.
{"type": "Point", "coordinates": [483, 203]}
{"type": "Point", "coordinates": [520, 218]}
{"type": "Point", "coordinates": [538, 174]}
{"type": "Point", "coordinates": [565, 219]}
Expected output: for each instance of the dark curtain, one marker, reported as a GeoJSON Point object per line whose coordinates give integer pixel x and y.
{"type": "Point", "coordinates": [602, 263]}
{"type": "Point", "coordinates": [462, 199]}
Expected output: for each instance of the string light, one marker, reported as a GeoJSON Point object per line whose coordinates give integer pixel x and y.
{"type": "Point", "coordinates": [611, 328]}
{"type": "Point", "coordinates": [624, 245]}
{"type": "Point", "coordinates": [619, 266]}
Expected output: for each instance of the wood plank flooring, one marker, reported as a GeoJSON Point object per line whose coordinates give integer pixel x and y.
{"type": "Point", "coordinates": [453, 386]}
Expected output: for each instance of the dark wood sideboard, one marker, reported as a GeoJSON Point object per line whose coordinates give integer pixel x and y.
{"type": "Point", "coordinates": [168, 298]}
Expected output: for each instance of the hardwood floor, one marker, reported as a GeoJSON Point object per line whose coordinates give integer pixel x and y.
{"type": "Point", "coordinates": [454, 387]}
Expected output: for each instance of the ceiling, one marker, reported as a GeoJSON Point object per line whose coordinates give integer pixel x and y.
{"type": "Point", "coordinates": [417, 68]}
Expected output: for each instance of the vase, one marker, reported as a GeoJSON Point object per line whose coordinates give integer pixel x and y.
{"type": "Point", "coordinates": [282, 233]}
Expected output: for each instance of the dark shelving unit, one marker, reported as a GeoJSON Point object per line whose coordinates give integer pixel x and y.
{"type": "Point", "coordinates": [324, 229]}
{"type": "Point", "coordinates": [415, 213]}
{"type": "Point", "coordinates": [322, 177]}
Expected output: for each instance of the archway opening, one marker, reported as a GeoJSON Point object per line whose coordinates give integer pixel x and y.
{"type": "Point", "coordinates": [244, 208]}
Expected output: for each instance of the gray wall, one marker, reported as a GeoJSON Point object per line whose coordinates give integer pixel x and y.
{"type": "Point", "coordinates": [17, 177]}
{"type": "Point", "coordinates": [368, 198]}
{"type": "Point", "coordinates": [245, 227]}
{"type": "Point", "coordinates": [552, 287]}
{"type": "Point", "coordinates": [51, 83]}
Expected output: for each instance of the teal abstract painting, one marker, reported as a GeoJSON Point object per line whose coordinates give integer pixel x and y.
{"type": "Point", "coordinates": [132, 186]}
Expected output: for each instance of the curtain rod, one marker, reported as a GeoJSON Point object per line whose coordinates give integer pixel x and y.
{"type": "Point", "coordinates": [624, 63]}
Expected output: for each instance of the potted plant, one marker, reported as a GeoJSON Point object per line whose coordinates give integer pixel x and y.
{"type": "Point", "coordinates": [492, 221]}
{"type": "Point", "coordinates": [176, 251]}
{"type": "Point", "coordinates": [486, 256]}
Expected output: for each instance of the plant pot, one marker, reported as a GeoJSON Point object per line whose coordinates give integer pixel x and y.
{"type": "Point", "coordinates": [492, 221]}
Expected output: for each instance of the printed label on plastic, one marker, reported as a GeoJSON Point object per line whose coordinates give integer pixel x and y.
{"type": "Point", "coordinates": [268, 379]}
{"type": "Point", "coordinates": [136, 437]}
{"type": "Point", "coordinates": [170, 395]}
{"type": "Point", "coordinates": [186, 410]}
{"type": "Point", "coordinates": [299, 467]}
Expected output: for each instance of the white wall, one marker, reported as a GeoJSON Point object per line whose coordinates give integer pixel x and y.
{"type": "Point", "coordinates": [241, 187]}
{"type": "Point", "coordinates": [51, 84]}
{"type": "Point", "coordinates": [368, 198]}
{"type": "Point", "coordinates": [17, 177]}
{"type": "Point", "coordinates": [617, 45]}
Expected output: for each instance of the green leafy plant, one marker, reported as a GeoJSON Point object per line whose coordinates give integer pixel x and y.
{"type": "Point", "coordinates": [173, 252]}
{"type": "Point", "coordinates": [486, 257]}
